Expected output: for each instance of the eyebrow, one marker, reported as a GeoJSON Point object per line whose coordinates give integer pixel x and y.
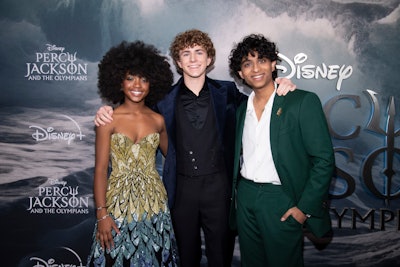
{"type": "Point", "coordinates": [186, 49]}
{"type": "Point", "coordinates": [244, 59]}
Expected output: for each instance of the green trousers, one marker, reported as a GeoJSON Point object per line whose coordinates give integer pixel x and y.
{"type": "Point", "coordinates": [264, 240]}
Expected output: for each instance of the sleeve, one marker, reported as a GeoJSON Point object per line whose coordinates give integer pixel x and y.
{"type": "Point", "coordinates": [318, 145]}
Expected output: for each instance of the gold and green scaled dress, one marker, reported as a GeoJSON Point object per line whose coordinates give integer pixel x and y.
{"type": "Point", "coordinates": [137, 200]}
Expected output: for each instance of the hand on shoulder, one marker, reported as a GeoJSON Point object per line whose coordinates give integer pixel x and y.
{"type": "Point", "coordinates": [104, 116]}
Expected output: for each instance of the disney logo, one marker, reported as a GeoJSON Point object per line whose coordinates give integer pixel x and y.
{"type": "Point", "coordinates": [42, 134]}
{"type": "Point", "coordinates": [51, 47]}
{"type": "Point", "coordinates": [52, 262]}
{"type": "Point", "coordinates": [330, 72]}
{"type": "Point", "coordinates": [56, 182]}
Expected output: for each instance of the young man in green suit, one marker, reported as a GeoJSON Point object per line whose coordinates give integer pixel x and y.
{"type": "Point", "coordinates": [283, 162]}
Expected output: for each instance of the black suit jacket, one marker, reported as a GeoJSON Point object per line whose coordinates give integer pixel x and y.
{"type": "Point", "coordinates": [225, 99]}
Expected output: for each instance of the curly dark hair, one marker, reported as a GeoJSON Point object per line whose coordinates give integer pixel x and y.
{"type": "Point", "coordinates": [249, 45]}
{"type": "Point", "coordinates": [135, 58]}
{"type": "Point", "coordinates": [191, 38]}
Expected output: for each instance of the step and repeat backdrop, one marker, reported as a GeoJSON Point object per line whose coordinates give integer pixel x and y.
{"type": "Point", "coordinates": [345, 51]}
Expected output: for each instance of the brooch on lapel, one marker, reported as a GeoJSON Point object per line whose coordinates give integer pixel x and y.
{"type": "Point", "coordinates": [279, 112]}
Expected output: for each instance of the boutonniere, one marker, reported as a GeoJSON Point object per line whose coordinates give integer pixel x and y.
{"type": "Point", "coordinates": [279, 112]}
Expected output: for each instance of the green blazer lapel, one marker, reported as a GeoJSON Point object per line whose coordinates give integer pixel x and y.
{"type": "Point", "coordinates": [277, 110]}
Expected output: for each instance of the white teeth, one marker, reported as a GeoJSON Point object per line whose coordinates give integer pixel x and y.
{"type": "Point", "coordinates": [136, 93]}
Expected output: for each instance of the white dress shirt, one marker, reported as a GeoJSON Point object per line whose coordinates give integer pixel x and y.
{"type": "Point", "coordinates": [257, 162]}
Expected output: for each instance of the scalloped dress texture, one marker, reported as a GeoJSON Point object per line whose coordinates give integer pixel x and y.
{"type": "Point", "coordinates": [137, 201]}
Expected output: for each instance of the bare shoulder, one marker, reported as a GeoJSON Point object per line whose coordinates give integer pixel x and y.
{"type": "Point", "coordinates": [104, 132]}
{"type": "Point", "coordinates": [122, 119]}
{"type": "Point", "coordinates": [158, 118]}
{"type": "Point", "coordinates": [108, 127]}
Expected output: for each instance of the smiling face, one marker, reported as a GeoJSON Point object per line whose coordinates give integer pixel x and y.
{"type": "Point", "coordinates": [257, 72]}
{"type": "Point", "coordinates": [135, 88]}
{"type": "Point", "coordinates": [193, 61]}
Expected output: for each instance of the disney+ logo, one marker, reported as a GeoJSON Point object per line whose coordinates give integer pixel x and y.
{"type": "Point", "coordinates": [50, 133]}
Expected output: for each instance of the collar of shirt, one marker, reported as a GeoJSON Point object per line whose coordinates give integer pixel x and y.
{"type": "Point", "coordinates": [268, 106]}
{"type": "Point", "coordinates": [196, 107]}
{"type": "Point", "coordinates": [257, 161]}
{"type": "Point", "coordinates": [188, 94]}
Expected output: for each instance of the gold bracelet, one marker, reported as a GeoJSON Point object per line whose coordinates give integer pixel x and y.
{"type": "Point", "coordinates": [101, 207]}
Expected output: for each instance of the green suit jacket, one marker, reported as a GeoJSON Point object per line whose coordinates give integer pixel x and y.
{"type": "Point", "coordinates": [302, 152]}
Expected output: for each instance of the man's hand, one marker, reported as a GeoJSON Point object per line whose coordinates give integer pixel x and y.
{"type": "Point", "coordinates": [296, 213]}
{"type": "Point", "coordinates": [285, 86]}
{"type": "Point", "coordinates": [103, 115]}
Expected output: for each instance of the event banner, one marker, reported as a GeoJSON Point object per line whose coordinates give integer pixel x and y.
{"type": "Point", "coordinates": [346, 51]}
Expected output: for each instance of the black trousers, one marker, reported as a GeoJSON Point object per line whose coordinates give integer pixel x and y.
{"type": "Point", "coordinates": [202, 202]}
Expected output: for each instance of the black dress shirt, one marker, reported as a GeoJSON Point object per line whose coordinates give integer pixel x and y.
{"type": "Point", "coordinates": [196, 107]}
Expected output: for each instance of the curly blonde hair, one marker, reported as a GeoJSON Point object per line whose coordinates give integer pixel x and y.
{"type": "Point", "coordinates": [191, 38]}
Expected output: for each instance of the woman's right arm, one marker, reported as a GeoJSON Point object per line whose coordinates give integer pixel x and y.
{"type": "Point", "coordinates": [102, 156]}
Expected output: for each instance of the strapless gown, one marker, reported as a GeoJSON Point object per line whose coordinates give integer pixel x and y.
{"type": "Point", "coordinates": [137, 200]}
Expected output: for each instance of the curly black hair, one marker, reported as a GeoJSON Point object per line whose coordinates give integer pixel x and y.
{"type": "Point", "coordinates": [249, 45]}
{"type": "Point", "coordinates": [135, 58]}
